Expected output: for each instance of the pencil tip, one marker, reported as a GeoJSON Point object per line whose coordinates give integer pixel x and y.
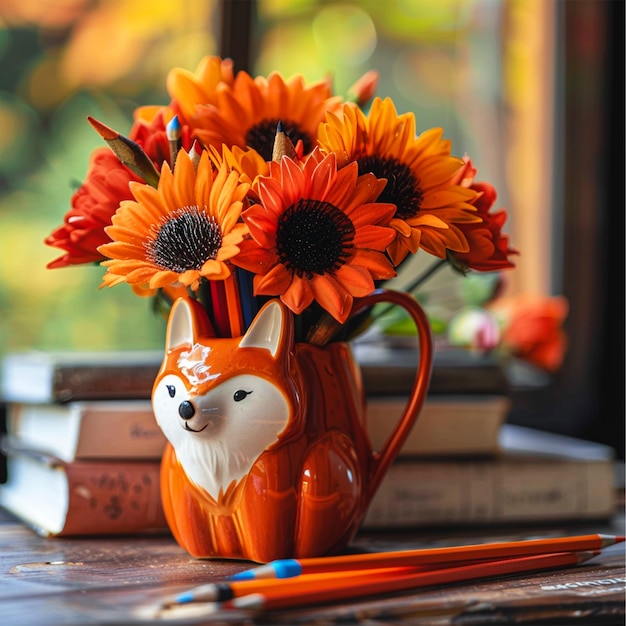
{"type": "Point", "coordinates": [245, 575]}
{"type": "Point", "coordinates": [283, 146]}
{"type": "Point", "coordinates": [183, 598]}
{"type": "Point", "coordinates": [173, 129]}
{"type": "Point", "coordinates": [609, 540]}
{"type": "Point", "coordinates": [175, 613]}
{"type": "Point", "coordinates": [248, 602]}
{"type": "Point", "coordinates": [106, 132]}
{"type": "Point", "coordinates": [585, 555]}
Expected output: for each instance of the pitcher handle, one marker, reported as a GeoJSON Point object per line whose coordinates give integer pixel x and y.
{"type": "Point", "coordinates": [387, 454]}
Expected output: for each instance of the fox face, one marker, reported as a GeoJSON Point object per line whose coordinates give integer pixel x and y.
{"type": "Point", "coordinates": [222, 402]}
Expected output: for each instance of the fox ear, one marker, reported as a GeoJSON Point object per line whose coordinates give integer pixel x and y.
{"type": "Point", "coordinates": [187, 322]}
{"type": "Point", "coordinates": [270, 329]}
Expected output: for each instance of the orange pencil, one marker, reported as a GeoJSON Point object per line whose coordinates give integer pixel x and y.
{"type": "Point", "coordinates": [285, 568]}
{"type": "Point", "coordinates": [227, 590]}
{"type": "Point", "coordinates": [306, 591]}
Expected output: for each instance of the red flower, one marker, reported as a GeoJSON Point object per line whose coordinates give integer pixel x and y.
{"type": "Point", "coordinates": [149, 131]}
{"type": "Point", "coordinates": [489, 249]}
{"type": "Point", "coordinates": [105, 186]}
{"type": "Point", "coordinates": [533, 328]}
{"type": "Point", "coordinates": [92, 207]}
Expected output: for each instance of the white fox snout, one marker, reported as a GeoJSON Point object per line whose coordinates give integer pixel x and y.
{"type": "Point", "coordinates": [203, 420]}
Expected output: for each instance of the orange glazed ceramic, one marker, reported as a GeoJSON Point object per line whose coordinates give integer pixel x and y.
{"type": "Point", "coordinates": [268, 455]}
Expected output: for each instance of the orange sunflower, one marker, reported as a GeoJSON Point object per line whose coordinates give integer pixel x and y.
{"type": "Point", "coordinates": [188, 89]}
{"type": "Point", "coordinates": [317, 234]}
{"type": "Point", "coordinates": [248, 114]}
{"type": "Point", "coordinates": [106, 185]}
{"type": "Point", "coordinates": [249, 164]}
{"type": "Point", "coordinates": [184, 231]}
{"type": "Point", "coordinates": [418, 170]}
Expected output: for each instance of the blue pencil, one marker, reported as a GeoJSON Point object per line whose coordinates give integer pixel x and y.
{"type": "Point", "coordinates": [249, 307]}
{"type": "Point", "coordinates": [173, 131]}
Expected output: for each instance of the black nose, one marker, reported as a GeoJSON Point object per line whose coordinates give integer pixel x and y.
{"type": "Point", "coordinates": [186, 410]}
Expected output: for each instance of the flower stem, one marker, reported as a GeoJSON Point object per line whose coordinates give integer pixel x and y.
{"type": "Point", "coordinates": [422, 278]}
{"type": "Point", "coordinates": [412, 287]}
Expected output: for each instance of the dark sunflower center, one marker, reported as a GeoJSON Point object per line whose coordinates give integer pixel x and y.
{"type": "Point", "coordinates": [185, 241]}
{"type": "Point", "coordinates": [261, 136]}
{"type": "Point", "coordinates": [314, 237]}
{"type": "Point", "coordinates": [402, 188]}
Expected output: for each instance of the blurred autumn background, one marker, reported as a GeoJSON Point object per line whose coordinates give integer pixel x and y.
{"type": "Point", "coordinates": [493, 74]}
{"type": "Point", "coordinates": [63, 60]}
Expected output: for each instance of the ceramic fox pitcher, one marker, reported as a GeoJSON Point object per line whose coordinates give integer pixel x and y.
{"type": "Point", "coordinates": [268, 454]}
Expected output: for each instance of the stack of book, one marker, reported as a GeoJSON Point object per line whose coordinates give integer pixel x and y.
{"type": "Point", "coordinates": [463, 464]}
{"type": "Point", "coordinates": [84, 449]}
{"type": "Point", "coordinates": [82, 446]}
{"type": "Point", "coordinates": [467, 401]}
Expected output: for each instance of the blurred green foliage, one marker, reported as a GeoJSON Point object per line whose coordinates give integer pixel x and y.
{"type": "Point", "coordinates": [60, 62]}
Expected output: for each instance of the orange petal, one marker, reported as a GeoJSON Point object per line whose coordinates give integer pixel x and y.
{"type": "Point", "coordinates": [298, 295]}
{"type": "Point", "coordinates": [332, 296]}
{"type": "Point", "coordinates": [215, 270]}
{"type": "Point", "coordinates": [376, 263]}
{"type": "Point", "coordinates": [374, 237]}
{"type": "Point", "coordinates": [273, 283]}
{"type": "Point", "coordinates": [357, 280]}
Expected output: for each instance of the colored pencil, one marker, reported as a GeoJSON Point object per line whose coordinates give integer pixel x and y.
{"type": "Point", "coordinates": [195, 153]}
{"type": "Point", "coordinates": [233, 304]}
{"type": "Point", "coordinates": [282, 144]}
{"type": "Point", "coordinates": [248, 301]}
{"type": "Point", "coordinates": [303, 591]}
{"type": "Point", "coordinates": [220, 308]}
{"type": "Point", "coordinates": [173, 131]}
{"type": "Point", "coordinates": [286, 568]}
{"type": "Point", "coordinates": [128, 152]}
{"type": "Point", "coordinates": [227, 590]}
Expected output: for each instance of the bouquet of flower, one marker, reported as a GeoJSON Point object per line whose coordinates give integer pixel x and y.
{"type": "Point", "coordinates": [246, 188]}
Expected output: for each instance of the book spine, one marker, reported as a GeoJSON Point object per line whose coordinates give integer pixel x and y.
{"type": "Point", "coordinates": [125, 382]}
{"type": "Point", "coordinates": [123, 434]}
{"type": "Point", "coordinates": [113, 498]}
{"type": "Point", "coordinates": [395, 376]}
{"type": "Point", "coordinates": [420, 494]}
{"type": "Point", "coordinates": [451, 426]}
{"type": "Point", "coordinates": [114, 429]}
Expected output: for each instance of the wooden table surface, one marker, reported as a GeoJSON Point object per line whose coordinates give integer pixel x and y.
{"type": "Point", "coordinates": [123, 580]}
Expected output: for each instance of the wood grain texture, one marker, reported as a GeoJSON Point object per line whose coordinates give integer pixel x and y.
{"type": "Point", "coordinates": [121, 580]}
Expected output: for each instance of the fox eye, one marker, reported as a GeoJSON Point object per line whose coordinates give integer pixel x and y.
{"type": "Point", "coordinates": [240, 394]}
{"type": "Point", "coordinates": [171, 390]}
